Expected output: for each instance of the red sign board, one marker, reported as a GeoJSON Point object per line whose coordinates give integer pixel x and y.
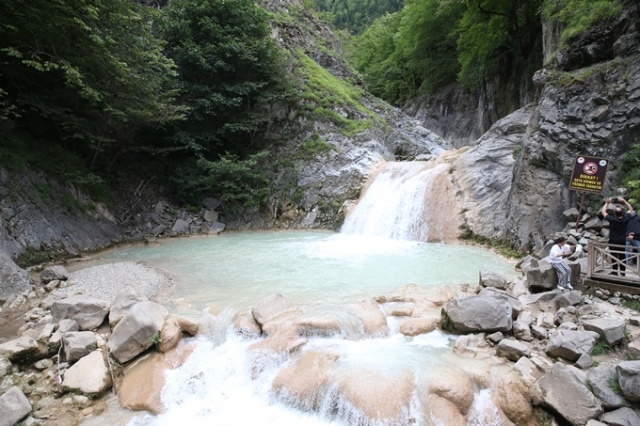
{"type": "Point", "coordinates": [589, 174]}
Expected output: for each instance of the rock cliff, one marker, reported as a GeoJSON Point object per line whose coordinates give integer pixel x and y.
{"type": "Point", "coordinates": [515, 181]}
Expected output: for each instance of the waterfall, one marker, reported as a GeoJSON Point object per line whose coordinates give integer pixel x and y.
{"type": "Point", "coordinates": [406, 201]}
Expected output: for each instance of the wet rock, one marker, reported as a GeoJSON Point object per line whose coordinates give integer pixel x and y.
{"type": "Point", "coordinates": [305, 382]}
{"type": "Point", "coordinates": [271, 307]}
{"type": "Point", "coordinates": [173, 329]}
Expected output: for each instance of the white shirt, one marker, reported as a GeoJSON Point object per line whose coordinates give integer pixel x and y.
{"type": "Point", "coordinates": [556, 253]}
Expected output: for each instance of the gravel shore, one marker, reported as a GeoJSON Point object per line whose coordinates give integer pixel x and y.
{"type": "Point", "coordinates": [107, 281]}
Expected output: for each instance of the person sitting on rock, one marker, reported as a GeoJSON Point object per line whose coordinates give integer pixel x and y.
{"type": "Point", "coordinates": [559, 251]}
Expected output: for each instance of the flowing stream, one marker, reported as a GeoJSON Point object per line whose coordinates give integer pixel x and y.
{"type": "Point", "coordinates": [218, 276]}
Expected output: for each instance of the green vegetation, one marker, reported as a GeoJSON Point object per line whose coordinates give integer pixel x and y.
{"type": "Point", "coordinates": [614, 385]}
{"type": "Point", "coordinates": [355, 15]}
{"type": "Point", "coordinates": [601, 347]}
{"type": "Point", "coordinates": [631, 304]}
{"type": "Point", "coordinates": [629, 173]}
{"type": "Point", "coordinates": [445, 322]}
{"type": "Point", "coordinates": [501, 246]}
{"type": "Point", "coordinates": [577, 16]}
{"type": "Point", "coordinates": [156, 340]}
{"type": "Point", "coordinates": [431, 43]}
{"type": "Point", "coordinates": [112, 88]}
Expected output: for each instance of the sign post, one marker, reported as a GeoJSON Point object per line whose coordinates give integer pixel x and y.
{"type": "Point", "coordinates": [588, 175]}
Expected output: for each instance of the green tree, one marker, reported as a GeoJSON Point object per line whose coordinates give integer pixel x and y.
{"type": "Point", "coordinates": [493, 32]}
{"type": "Point", "coordinates": [229, 74]}
{"type": "Point", "coordinates": [87, 74]}
{"type": "Point", "coordinates": [228, 66]}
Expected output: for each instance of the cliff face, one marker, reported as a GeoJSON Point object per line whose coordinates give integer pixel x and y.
{"type": "Point", "coordinates": [588, 103]}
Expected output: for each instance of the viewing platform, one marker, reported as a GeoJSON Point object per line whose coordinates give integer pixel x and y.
{"type": "Point", "coordinates": [600, 268]}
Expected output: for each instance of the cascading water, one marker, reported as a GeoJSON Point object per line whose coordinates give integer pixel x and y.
{"type": "Point", "coordinates": [228, 381]}
{"type": "Point", "coordinates": [406, 201]}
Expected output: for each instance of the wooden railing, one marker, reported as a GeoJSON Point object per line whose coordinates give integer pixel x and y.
{"type": "Point", "coordinates": [606, 270]}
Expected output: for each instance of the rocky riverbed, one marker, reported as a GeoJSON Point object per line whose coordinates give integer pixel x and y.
{"type": "Point", "coordinates": [571, 357]}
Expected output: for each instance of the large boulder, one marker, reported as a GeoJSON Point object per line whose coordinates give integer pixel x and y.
{"type": "Point", "coordinates": [479, 313]}
{"type": "Point", "coordinates": [13, 406]}
{"type": "Point", "coordinates": [90, 375]}
{"type": "Point", "coordinates": [122, 303]}
{"type": "Point", "coordinates": [304, 382]}
{"type": "Point", "coordinates": [87, 311]}
{"type": "Point", "coordinates": [13, 279]}
{"type": "Point", "coordinates": [150, 371]}
{"type": "Point", "coordinates": [629, 379]}
{"type": "Point", "coordinates": [56, 272]}
{"type": "Point", "coordinates": [600, 379]}
{"type": "Point", "coordinates": [135, 333]}
{"type": "Point", "coordinates": [570, 344]}
{"type": "Point", "coordinates": [271, 307]}
{"type": "Point", "coordinates": [611, 330]}
{"type": "Point", "coordinates": [378, 398]}
{"type": "Point", "coordinates": [565, 391]}
{"type": "Point", "coordinates": [22, 349]}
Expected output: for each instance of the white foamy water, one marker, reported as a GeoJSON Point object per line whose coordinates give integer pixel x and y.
{"type": "Point", "coordinates": [406, 201]}
{"type": "Point", "coordinates": [382, 248]}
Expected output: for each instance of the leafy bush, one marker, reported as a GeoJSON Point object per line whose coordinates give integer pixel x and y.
{"type": "Point", "coordinates": [238, 183]}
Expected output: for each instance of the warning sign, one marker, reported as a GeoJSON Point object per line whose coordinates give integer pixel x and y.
{"type": "Point", "coordinates": [589, 174]}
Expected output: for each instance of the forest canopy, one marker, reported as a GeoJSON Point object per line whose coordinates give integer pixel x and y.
{"type": "Point", "coordinates": [431, 43]}
{"type": "Point", "coordinates": [97, 83]}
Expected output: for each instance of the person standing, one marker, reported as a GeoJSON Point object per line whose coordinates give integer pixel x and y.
{"type": "Point", "coordinates": [633, 245]}
{"type": "Point", "coordinates": [617, 232]}
{"type": "Point", "coordinates": [559, 251]}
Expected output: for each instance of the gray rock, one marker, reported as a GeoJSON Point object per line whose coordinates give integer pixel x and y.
{"type": "Point", "coordinates": [134, 333]}
{"type": "Point", "coordinates": [122, 303]}
{"type": "Point", "coordinates": [87, 311]}
{"type": "Point", "coordinates": [624, 416]}
{"type": "Point", "coordinates": [570, 344]}
{"type": "Point", "coordinates": [21, 349]}
{"type": "Point", "coordinates": [57, 272]}
{"type": "Point", "coordinates": [629, 379]}
{"type": "Point", "coordinates": [603, 381]}
{"type": "Point", "coordinates": [513, 350]}
{"type": "Point", "coordinates": [77, 344]}
{"type": "Point", "coordinates": [612, 330]}
{"type": "Point", "coordinates": [492, 279]}
{"type": "Point", "coordinates": [13, 406]}
{"type": "Point", "coordinates": [90, 375]}
{"type": "Point", "coordinates": [584, 362]}
{"type": "Point", "coordinates": [13, 279]}
{"type": "Point", "coordinates": [564, 390]}
{"type": "Point", "coordinates": [479, 313]}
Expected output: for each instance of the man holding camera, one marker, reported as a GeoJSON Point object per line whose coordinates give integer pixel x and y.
{"type": "Point", "coordinates": [617, 232]}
